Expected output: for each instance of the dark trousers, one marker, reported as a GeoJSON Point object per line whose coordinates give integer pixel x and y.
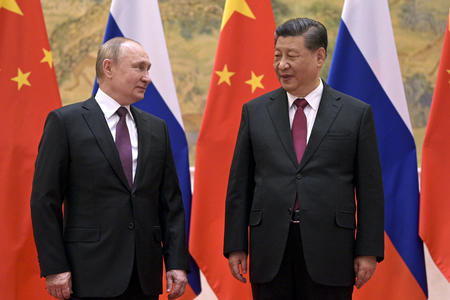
{"type": "Point", "coordinates": [133, 291]}
{"type": "Point", "coordinates": [293, 281]}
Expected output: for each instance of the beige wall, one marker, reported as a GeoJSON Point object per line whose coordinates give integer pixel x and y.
{"type": "Point", "coordinates": [76, 29]}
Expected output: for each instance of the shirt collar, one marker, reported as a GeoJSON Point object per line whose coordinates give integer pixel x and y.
{"type": "Point", "coordinates": [108, 105]}
{"type": "Point", "coordinates": [313, 98]}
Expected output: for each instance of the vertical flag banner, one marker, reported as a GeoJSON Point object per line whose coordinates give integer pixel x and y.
{"type": "Point", "coordinates": [435, 173]}
{"type": "Point", "coordinates": [365, 65]}
{"type": "Point", "coordinates": [243, 70]}
{"type": "Point", "coordinates": [29, 91]}
{"type": "Point", "coordinates": [140, 20]}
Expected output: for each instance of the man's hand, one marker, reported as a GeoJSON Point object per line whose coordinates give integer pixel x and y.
{"type": "Point", "coordinates": [234, 260]}
{"type": "Point", "coordinates": [364, 269]}
{"type": "Point", "coordinates": [176, 283]}
{"type": "Point", "coordinates": [59, 285]}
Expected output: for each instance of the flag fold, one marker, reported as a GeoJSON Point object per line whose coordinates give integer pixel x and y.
{"type": "Point", "coordinates": [29, 92]}
{"type": "Point", "coordinates": [242, 71]}
{"type": "Point", "coordinates": [365, 65]}
{"type": "Point", "coordinates": [435, 175]}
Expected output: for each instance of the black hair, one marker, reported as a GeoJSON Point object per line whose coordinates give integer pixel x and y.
{"type": "Point", "coordinates": [314, 33]}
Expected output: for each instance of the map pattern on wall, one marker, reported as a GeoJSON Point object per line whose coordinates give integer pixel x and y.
{"type": "Point", "coordinates": [76, 29]}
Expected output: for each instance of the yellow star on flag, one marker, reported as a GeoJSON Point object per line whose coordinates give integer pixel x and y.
{"type": "Point", "coordinates": [47, 58]}
{"type": "Point", "coordinates": [11, 5]}
{"type": "Point", "coordinates": [239, 6]}
{"type": "Point", "coordinates": [225, 75]}
{"type": "Point", "coordinates": [255, 82]}
{"type": "Point", "coordinates": [21, 79]}
{"type": "Point", "coordinates": [448, 71]}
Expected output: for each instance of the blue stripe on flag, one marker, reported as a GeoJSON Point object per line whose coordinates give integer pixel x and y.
{"type": "Point", "coordinates": [153, 103]}
{"type": "Point", "coordinates": [351, 74]}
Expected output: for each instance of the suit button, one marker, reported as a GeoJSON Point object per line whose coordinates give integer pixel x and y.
{"type": "Point", "coordinates": [131, 225]}
{"type": "Point", "coordinates": [299, 176]}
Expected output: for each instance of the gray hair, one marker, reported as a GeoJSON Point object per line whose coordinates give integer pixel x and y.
{"type": "Point", "coordinates": [109, 50]}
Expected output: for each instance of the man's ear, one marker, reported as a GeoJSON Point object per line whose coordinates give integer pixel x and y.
{"type": "Point", "coordinates": [321, 56]}
{"type": "Point", "coordinates": [107, 67]}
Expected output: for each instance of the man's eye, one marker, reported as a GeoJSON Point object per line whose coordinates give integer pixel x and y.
{"type": "Point", "coordinates": [142, 68]}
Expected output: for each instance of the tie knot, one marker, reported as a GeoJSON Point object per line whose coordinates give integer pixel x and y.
{"type": "Point", "coordinates": [301, 102]}
{"type": "Point", "coordinates": [122, 111]}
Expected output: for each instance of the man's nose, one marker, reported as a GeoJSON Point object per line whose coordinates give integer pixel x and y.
{"type": "Point", "coordinates": [146, 78]}
{"type": "Point", "coordinates": [283, 64]}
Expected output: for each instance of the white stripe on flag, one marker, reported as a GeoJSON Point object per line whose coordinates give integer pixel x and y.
{"type": "Point", "coordinates": [383, 62]}
{"type": "Point", "coordinates": [142, 22]}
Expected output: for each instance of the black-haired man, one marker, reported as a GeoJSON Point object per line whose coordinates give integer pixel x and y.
{"type": "Point", "coordinates": [304, 154]}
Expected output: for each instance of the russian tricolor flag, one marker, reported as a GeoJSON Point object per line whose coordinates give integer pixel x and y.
{"type": "Point", "coordinates": [140, 20]}
{"type": "Point", "coordinates": [365, 65]}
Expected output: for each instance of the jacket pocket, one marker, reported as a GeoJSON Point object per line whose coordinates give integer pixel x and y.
{"type": "Point", "coordinates": [346, 219]}
{"type": "Point", "coordinates": [340, 135]}
{"type": "Point", "coordinates": [255, 217]}
{"type": "Point", "coordinates": [82, 234]}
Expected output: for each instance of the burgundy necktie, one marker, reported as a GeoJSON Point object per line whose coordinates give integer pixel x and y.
{"type": "Point", "coordinates": [299, 133]}
{"type": "Point", "coordinates": [123, 144]}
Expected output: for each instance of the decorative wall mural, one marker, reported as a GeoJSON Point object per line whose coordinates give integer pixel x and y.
{"type": "Point", "coordinates": [76, 27]}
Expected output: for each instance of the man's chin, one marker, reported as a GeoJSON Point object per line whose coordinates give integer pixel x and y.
{"type": "Point", "coordinates": [140, 96]}
{"type": "Point", "coordinates": [287, 87]}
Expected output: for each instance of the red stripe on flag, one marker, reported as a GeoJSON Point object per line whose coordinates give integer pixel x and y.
{"type": "Point", "coordinates": [392, 279]}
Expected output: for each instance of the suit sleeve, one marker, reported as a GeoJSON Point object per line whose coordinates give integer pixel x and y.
{"type": "Point", "coordinates": [240, 191]}
{"type": "Point", "coordinates": [172, 215]}
{"type": "Point", "coordinates": [369, 192]}
{"type": "Point", "coordinates": [49, 184]}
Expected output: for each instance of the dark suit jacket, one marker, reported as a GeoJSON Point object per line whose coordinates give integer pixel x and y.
{"type": "Point", "coordinates": [341, 161]}
{"type": "Point", "coordinates": [107, 225]}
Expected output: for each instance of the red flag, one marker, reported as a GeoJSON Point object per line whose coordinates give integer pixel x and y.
{"type": "Point", "coordinates": [435, 176]}
{"type": "Point", "coordinates": [242, 71]}
{"type": "Point", "coordinates": [28, 92]}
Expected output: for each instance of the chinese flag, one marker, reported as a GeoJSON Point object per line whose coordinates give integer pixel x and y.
{"type": "Point", "coordinates": [28, 92]}
{"type": "Point", "coordinates": [435, 175]}
{"type": "Point", "coordinates": [243, 70]}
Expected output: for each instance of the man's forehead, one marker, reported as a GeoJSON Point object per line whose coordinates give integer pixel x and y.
{"type": "Point", "coordinates": [289, 42]}
{"type": "Point", "coordinates": [130, 46]}
{"type": "Point", "coordinates": [132, 49]}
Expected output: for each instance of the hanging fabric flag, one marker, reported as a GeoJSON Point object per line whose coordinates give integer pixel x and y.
{"type": "Point", "coordinates": [29, 92]}
{"type": "Point", "coordinates": [140, 20]}
{"type": "Point", "coordinates": [365, 65]}
{"type": "Point", "coordinates": [243, 70]}
{"type": "Point", "coordinates": [435, 175]}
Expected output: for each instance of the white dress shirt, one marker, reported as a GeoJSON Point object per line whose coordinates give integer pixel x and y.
{"type": "Point", "coordinates": [109, 106]}
{"type": "Point", "coordinates": [310, 110]}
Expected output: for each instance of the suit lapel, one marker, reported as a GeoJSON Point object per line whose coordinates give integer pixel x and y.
{"type": "Point", "coordinates": [279, 114]}
{"type": "Point", "coordinates": [143, 142]}
{"type": "Point", "coordinates": [96, 122]}
{"type": "Point", "coordinates": [328, 110]}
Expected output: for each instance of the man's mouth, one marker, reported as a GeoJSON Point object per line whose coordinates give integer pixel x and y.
{"type": "Point", "coordinates": [286, 76]}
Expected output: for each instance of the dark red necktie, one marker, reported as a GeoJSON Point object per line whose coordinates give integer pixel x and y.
{"type": "Point", "coordinates": [123, 144]}
{"type": "Point", "coordinates": [299, 133]}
